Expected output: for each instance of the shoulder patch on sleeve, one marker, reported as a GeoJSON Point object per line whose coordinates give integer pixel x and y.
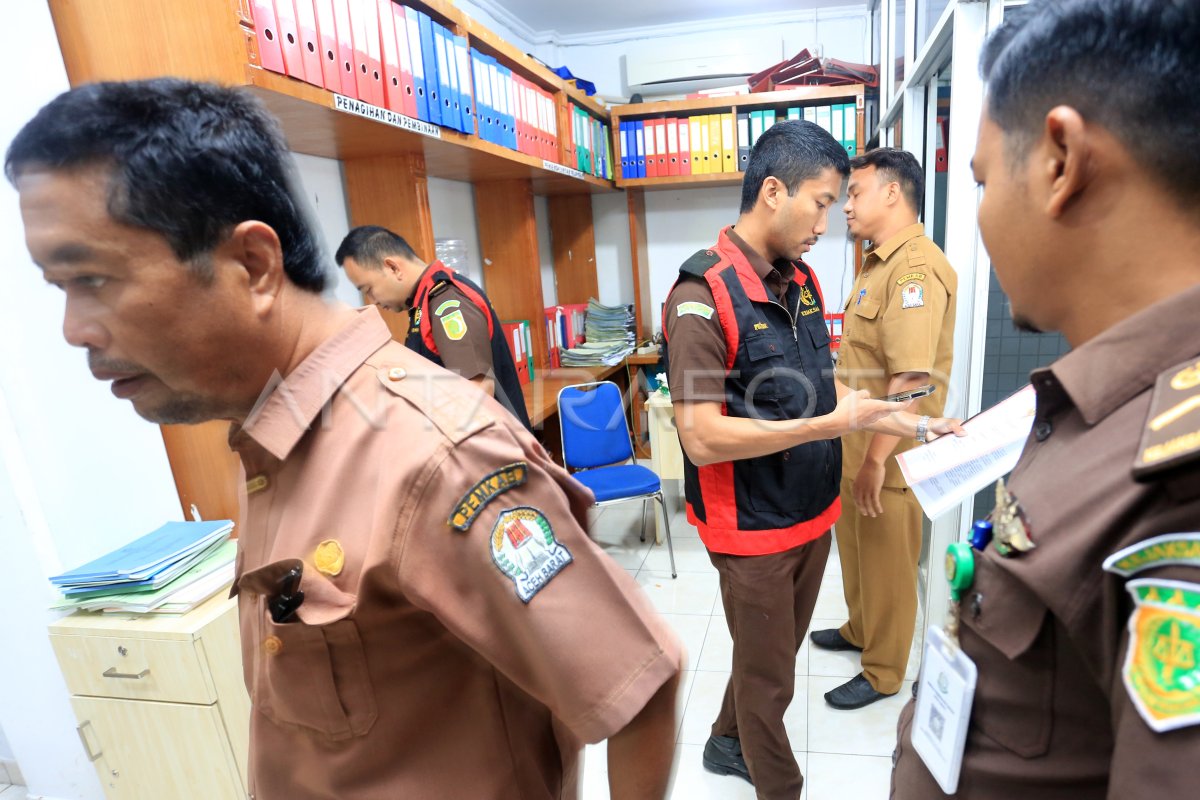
{"type": "Point", "coordinates": [692, 307]}
{"type": "Point", "coordinates": [1161, 672]}
{"type": "Point", "coordinates": [700, 262]}
{"type": "Point", "coordinates": [913, 295]}
{"type": "Point", "coordinates": [525, 550]}
{"type": "Point", "coordinates": [446, 306]}
{"type": "Point", "coordinates": [1172, 434]}
{"type": "Point", "coordinates": [488, 488]}
{"type": "Point", "coordinates": [1158, 551]}
{"type": "Point", "coordinates": [910, 276]}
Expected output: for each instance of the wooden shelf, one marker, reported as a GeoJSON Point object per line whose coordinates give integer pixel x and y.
{"type": "Point", "coordinates": [802, 95]}
{"type": "Point", "coordinates": [683, 181]}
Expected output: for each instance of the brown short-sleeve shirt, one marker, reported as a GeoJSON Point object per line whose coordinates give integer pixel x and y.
{"type": "Point", "coordinates": [460, 331]}
{"type": "Point", "coordinates": [696, 371]}
{"type": "Point", "coordinates": [899, 317]}
{"type": "Point", "coordinates": [460, 635]}
{"type": "Point", "coordinates": [1065, 654]}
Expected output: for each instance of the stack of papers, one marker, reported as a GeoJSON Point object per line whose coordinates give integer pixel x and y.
{"type": "Point", "coordinates": [609, 334]}
{"type": "Point", "coordinates": [171, 569]}
{"type": "Point", "coordinates": [951, 469]}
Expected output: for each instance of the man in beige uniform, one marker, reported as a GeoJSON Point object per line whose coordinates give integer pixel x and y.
{"type": "Point", "coordinates": [898, 334]}
{"type": "Point", "coordinates": [422, 613]}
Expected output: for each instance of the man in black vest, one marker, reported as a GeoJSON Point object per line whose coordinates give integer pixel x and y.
{"type": "Point", "coordinates": [451, 321]}
{"type": "Point", "coordinates": [759, 414]}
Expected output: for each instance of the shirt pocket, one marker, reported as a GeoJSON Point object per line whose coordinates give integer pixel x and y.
{"type": "Point", "coordinates": [311, 671]}
{"type": "Point", "coordinates": [772, 380]}
{"type": "Point", "coordinates": [1004, 629]}
{"type": "Point", "coordinates": [865, 319]}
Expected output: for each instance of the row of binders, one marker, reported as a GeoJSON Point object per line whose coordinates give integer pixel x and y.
{"type": "Point", "coordinates": [376, 51]}
{"type": "Point", "coordinates": [564, 329]}
{"type": "Point", "coordinates": [520, 342]}
{"type": "Point", "coordinates": [590, 148]}
{"type": "Point", "coordinates": [710, 143]}
{"type": "Point", "coordinates": [398, 58]}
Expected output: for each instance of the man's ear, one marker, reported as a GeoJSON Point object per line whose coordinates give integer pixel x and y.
{"type": "Point", "coordinates": [770, 192]}
{"type": "Point", "coordinates": [255, 247]}
{"type": "Point", "coordinates": [394, 267]}
{"type": "Point", "coordinates": [1065, 158]}
{"type": "Point", "coordinates": [893, 195]}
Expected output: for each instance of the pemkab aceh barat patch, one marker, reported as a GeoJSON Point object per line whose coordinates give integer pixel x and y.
{"type": "Point", "coordinates": [525, 550]}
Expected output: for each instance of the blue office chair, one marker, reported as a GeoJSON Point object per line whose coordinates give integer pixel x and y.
{"type": "Point", "coordinates": [596, 442]}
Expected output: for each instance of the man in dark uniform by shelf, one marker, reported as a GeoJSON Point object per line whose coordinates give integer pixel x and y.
{"type": "Point", "coordinates": [422, 613]}
{"type": "Point", "coordinates": [1083, 618]}
{"type": "Point", "coordinates": [451, 321]}
{"type": "Point", "coordinates": [759, 414]}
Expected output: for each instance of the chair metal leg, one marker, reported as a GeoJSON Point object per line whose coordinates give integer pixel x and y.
{"type": "Point", "coordinates": [662, 505]}
{"type": "Point", "coordinates": [645, 503]}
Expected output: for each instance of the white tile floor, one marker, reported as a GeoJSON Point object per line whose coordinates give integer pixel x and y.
{"type": "Point", "coordinates": [844, 755]}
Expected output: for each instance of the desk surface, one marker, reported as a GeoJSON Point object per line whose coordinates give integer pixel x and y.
{"type": "Point", "coordinates": [541, 395]}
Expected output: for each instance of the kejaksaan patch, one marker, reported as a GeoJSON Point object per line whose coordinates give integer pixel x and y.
{"type": "Point", "coordinates": [524, 549]}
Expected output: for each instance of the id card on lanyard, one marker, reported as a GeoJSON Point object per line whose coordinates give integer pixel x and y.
{"type": "Point", "coordinates": [943, 712]}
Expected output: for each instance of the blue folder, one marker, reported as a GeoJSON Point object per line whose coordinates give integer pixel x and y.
{"type": "Point", "coordinates": [148, 555]}
{"type": "Point", "coordinates": [466, 98]}
{"type": "Point", "coordinates": [429, 56]}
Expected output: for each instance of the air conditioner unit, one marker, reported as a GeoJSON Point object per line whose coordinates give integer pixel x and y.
{"type": "Point", "coordinates": [689, 67]}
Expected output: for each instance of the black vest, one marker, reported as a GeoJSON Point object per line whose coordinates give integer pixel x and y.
{"type": "Point", "coordinates": [508, 386]}
{"type": "Point", "coordinates": [781, 370]}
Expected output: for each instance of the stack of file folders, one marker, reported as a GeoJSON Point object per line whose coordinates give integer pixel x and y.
{"type": "Point", "coordinates": [609, 337]}
{"type": "Point", "coordinates": [171, 570]}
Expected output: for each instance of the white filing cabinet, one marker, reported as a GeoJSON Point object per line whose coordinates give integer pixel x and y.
{"type": "Point", "coordinates": [666, 456]}
{"type": "Point", "coordinates": [162, 707]}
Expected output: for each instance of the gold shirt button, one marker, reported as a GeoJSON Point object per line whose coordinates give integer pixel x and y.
{"type": "Point", "coordinates": [273, 644]}
{"type": "Point", "coordinates": [397, 374]}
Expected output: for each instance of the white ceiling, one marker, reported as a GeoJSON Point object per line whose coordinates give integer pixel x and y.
{"type": "Point", "coordinates": [572, 17]}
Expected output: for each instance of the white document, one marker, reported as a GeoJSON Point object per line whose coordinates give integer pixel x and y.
{"type": "Point", "coordinates": [951, 469]}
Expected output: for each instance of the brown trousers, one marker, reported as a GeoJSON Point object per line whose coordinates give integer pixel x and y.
{"type": "Point", "coordinates": [879, 575]}
{"type": "Point", "coordinates": [768, 603]}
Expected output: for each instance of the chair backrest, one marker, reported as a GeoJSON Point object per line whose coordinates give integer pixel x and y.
{"type": "Point", "coordinates": [595, 432]}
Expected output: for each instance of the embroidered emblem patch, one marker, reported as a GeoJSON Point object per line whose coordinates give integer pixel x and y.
{"type": "Point", "coordinates": [806, 296]}
{"type": "Point", "coordinates": [760, 326]}
{"type": "Point", "coordinates": [525, 550]}
{"type": "Point", "coordinates": [913, 295]}
{"type": "Point", "coordinates": [454, 325]}
{"type": "Point", "coordinates": [912, 276]}
{"type": "Point", "coordinates": [1171, 548]}
{"type": "Point", "coordinates": [330, 558]}
{"type": "Point", "coordinates": [488, 489]}
{"type": "Point", "coordinates": [1161, 672]}
{"type": "Point", "coordinates": [690, 307]}
{"type": "Point", "coordinates": [446, 306]}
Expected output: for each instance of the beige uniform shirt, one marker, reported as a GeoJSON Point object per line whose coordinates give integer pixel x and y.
{"type": "Point", "coordinates": [459, 636]}
{"type": "Point", "coordinates": [899, 318]}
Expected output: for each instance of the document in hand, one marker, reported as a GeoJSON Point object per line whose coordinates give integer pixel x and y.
{"type": "Point", "coordinates": [951, 469]}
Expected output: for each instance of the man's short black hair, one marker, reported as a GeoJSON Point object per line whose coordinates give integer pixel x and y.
{"type": "Point", "coordinates": [1132, 66]}
{"type": "Point", "coordinates": [189, 161]}
{"type": "Point", "coordinates": [792, 151]}
{"type": "Point", "coordinates": [369, 245]}
{"type": "Point", "coordinates": [894, 164]}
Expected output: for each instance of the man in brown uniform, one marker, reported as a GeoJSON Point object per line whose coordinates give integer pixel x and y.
{"type": "Point", "coordinates": [1086, 637]}
{"type": "Point", "coordinates": [451, 321]}
{"type": "Point", "coordinates": [759, 413]}
{"type": "Point", "coordinates": [422, 614]}
{"type": "Point", "coordinates": [898, 334]}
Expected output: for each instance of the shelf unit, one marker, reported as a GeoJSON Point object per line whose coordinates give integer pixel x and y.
{"type": "Point", "coordinates": [636, 187]}
{"type": "Point", "coordinates": [386, 167]}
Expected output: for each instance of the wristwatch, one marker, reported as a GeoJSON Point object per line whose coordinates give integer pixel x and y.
{"type": "Point", "coordinates": [922, 429]}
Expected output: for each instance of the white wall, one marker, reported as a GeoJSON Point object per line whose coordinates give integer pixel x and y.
{"type": "Point", "coordinates": [452, 204]}
{"type": "Point", "coordinates": [80, 473]}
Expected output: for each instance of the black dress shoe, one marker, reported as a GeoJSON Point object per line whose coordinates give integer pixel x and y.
{"type": "Point", "coordinates": [723, 756]}
{"type": "Point", "coordinates": [854, 693]}
{"type": "Point", "coordinates": [832, 639]}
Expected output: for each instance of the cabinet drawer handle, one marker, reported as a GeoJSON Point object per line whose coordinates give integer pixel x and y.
{"type": "Point", "coordinates": [87, 748]}
{"type": "Point", "coordinates": [111, 672]}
